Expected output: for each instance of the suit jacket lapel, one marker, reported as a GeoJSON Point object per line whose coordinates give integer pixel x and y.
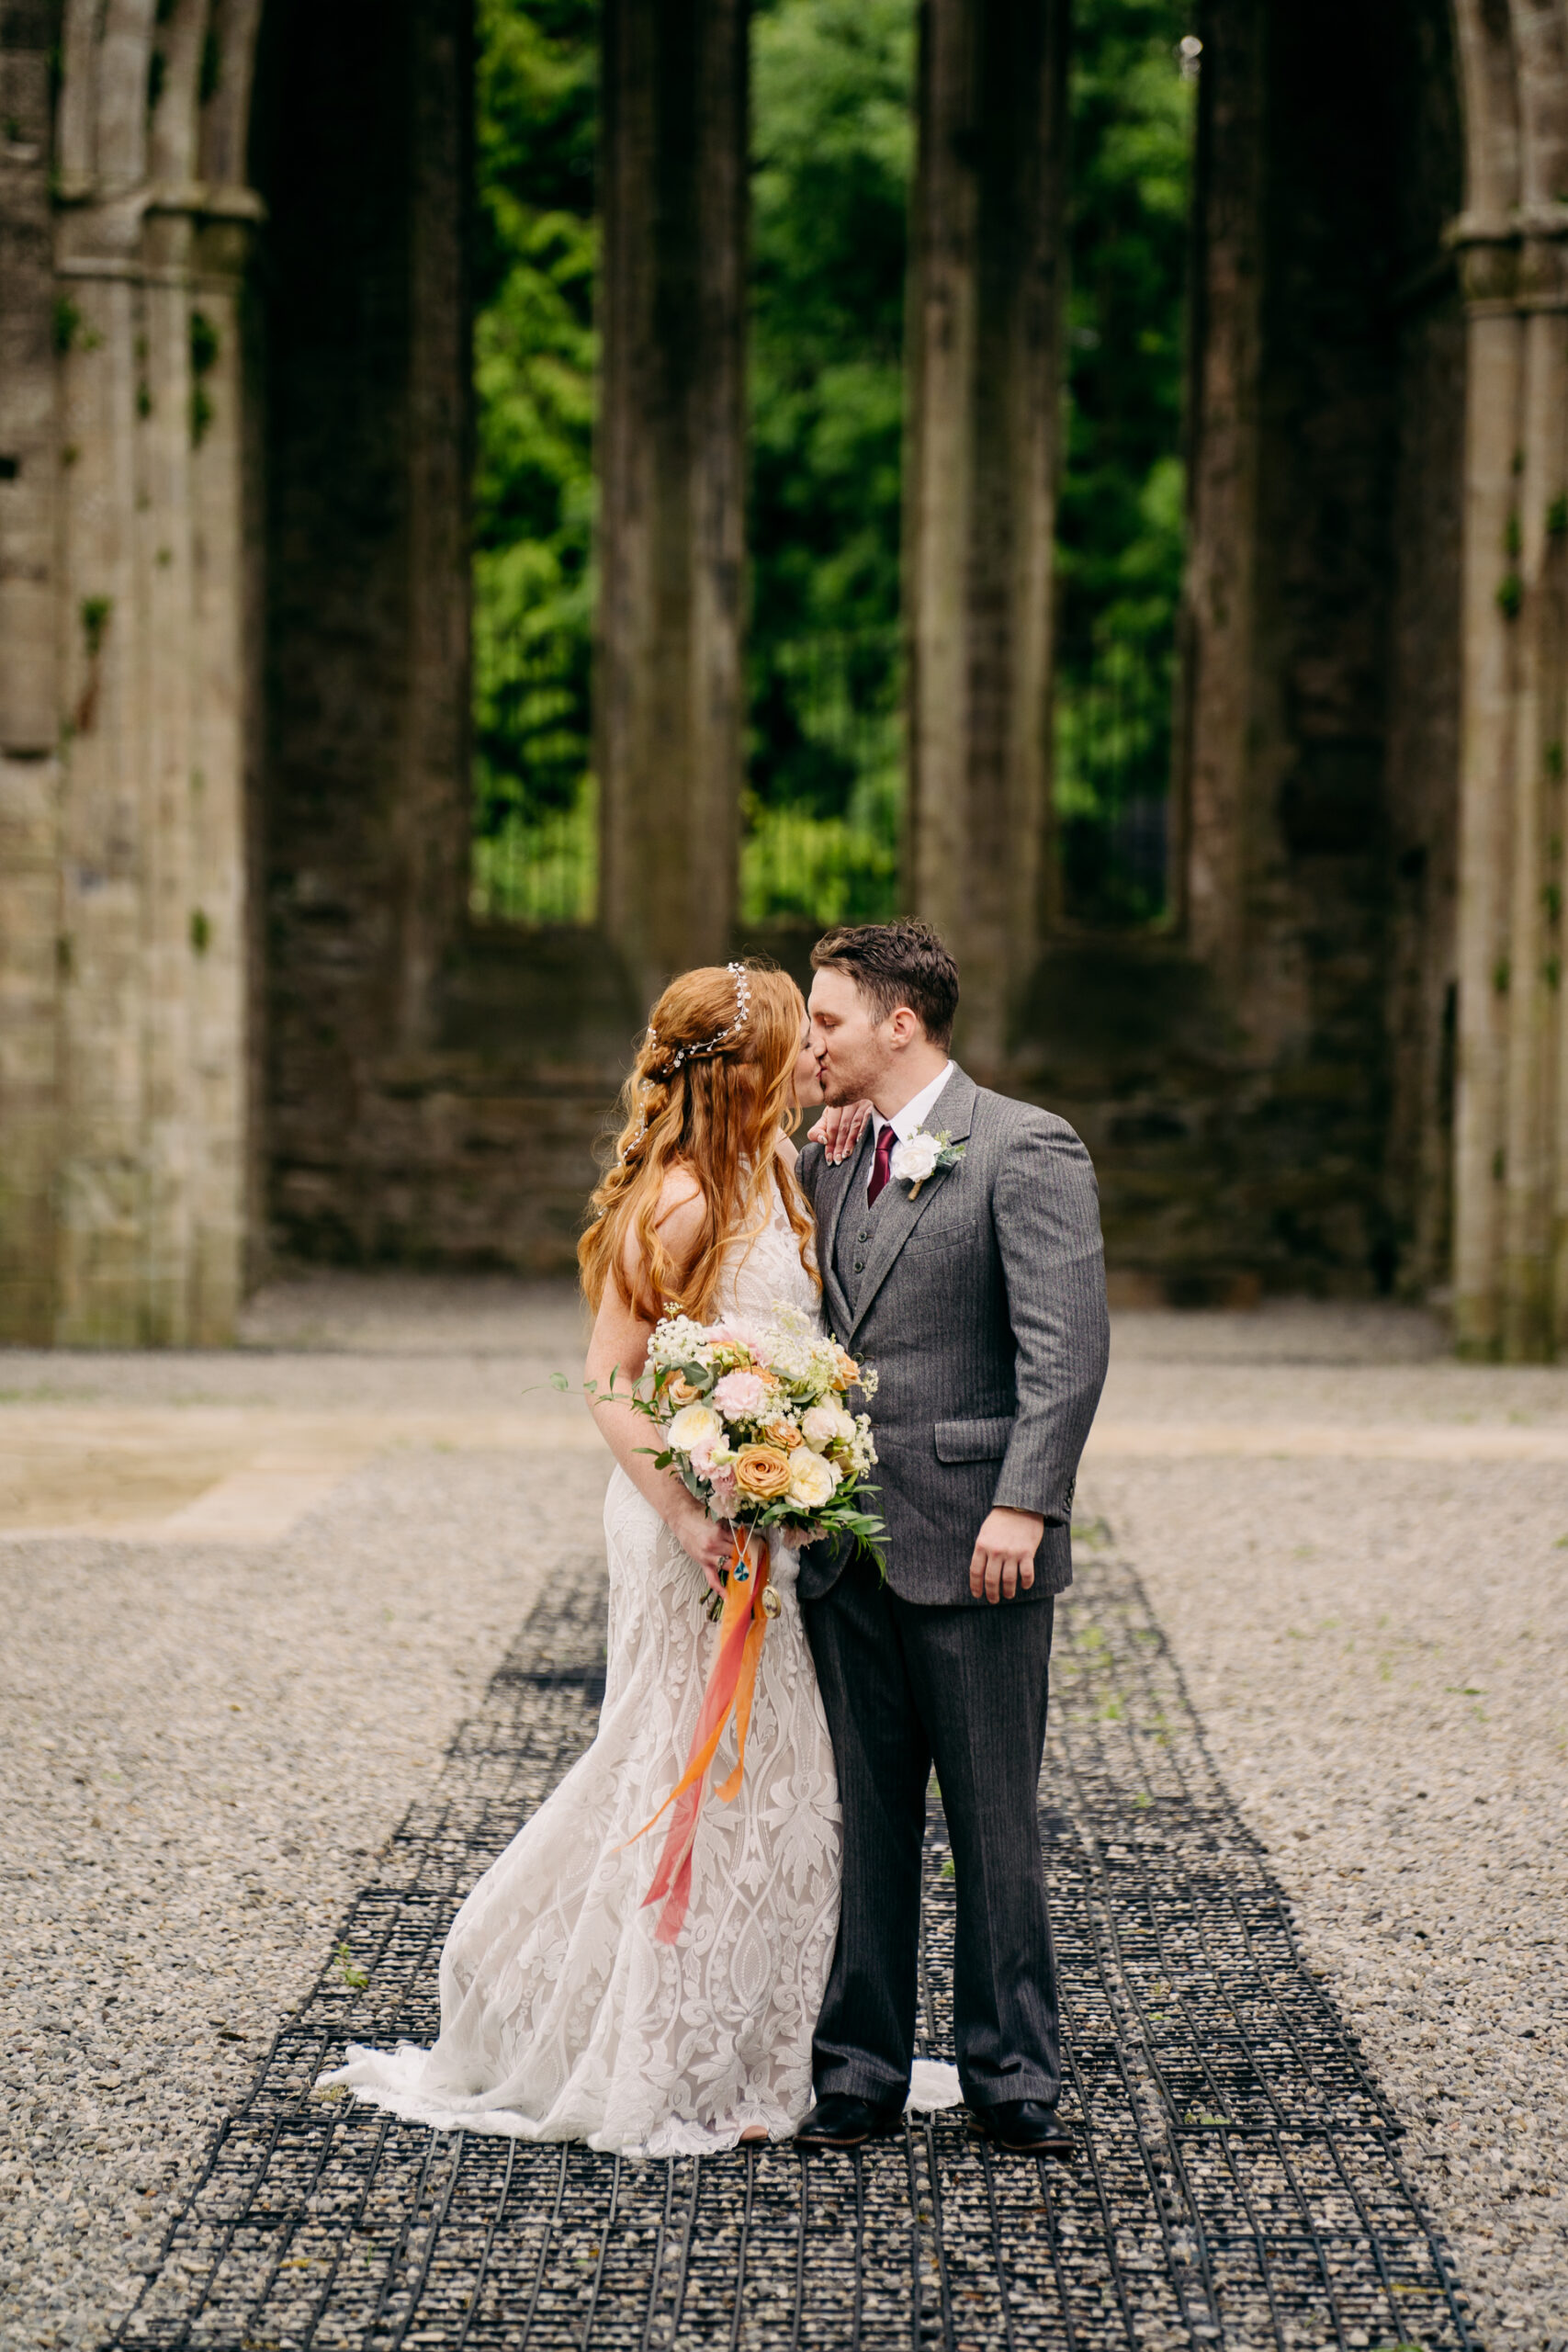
{"type": "Point", "coordinates": [844, 1180]}
{"type": "Point", "coordinates": [897, 1214]}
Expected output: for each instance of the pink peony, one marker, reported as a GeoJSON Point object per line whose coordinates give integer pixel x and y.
{"type": "Point", "coordinates": [725, 1493]}
{"type": "Point", "coordinates": [741, 1395]}
{"type": "Point", "coordinates": [738, 1333]}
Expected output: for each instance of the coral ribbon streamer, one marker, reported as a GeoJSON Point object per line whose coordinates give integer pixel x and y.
{"type": "Point", "coordinates": [731, 1687]}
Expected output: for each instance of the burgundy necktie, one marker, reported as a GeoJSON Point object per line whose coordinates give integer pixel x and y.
{"type": "Point", "coordinates": [881, 1165]}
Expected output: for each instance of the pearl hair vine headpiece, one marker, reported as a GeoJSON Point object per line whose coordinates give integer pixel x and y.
{"type": "Point", "coordinates": [709, 1046]}
{"type": "Point", "coordinates": [742, 979]}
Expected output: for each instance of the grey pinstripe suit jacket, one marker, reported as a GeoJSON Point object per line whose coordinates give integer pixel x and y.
{"type": "Point", "coordinates": [982, 1306]}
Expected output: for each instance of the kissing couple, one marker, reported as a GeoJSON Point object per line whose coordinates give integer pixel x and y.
{"type": "Point", "coordinates": [786, 2007]}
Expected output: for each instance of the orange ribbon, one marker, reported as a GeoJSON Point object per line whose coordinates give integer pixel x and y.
{"type": "Point", "coordinates": [732, 1685]}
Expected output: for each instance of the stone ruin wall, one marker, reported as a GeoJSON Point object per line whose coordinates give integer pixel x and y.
{"type": "Point", "coordinates": [1268, 1089]}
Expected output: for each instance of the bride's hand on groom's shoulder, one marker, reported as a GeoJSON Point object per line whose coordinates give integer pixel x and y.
{"type": "Point", "coordinates": [839, 1128]}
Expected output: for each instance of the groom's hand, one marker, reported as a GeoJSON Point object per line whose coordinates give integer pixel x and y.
{"type": "Point", "coordinates": [1004, 1553]}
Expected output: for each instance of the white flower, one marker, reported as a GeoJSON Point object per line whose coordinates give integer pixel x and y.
{"type": "Point", "coordinates": [915, 1158]}
{"type": "Point", "coordinates": [811, 1479]}
{"type": "Point", "coordinates": [692, 1426]}
{"type": "Point", "coordinates": [677, 1340]}
{"type": "Point", "coordinates": [825, 1425]}
{"type": "Point", "coordinates": [795, 1360]}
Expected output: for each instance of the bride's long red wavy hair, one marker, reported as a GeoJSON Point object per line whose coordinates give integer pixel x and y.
{"type": "Point", "coordinates": [714, 1115]}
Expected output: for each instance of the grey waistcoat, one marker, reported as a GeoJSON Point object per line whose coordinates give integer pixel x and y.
{"type": "Point", "coordinates": [857, 1229]}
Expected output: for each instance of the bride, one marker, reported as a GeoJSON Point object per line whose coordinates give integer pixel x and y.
{"type": "Point", "coordinates": [561, 2016]}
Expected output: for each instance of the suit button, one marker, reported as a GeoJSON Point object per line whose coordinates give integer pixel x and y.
{"type": "Point", "coordinates": [860, 1265]}
{"type": "Point", "coordinates": [865, 1234]}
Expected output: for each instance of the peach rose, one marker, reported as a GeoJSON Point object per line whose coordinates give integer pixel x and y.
{"type": "Point", "coordinates": [680, 1391]}
{"type": "Point", "coordinates": [784, 1433]}
{"type": "Point", "coordinates": [761, 1471]}
{"type": "Point", "coordinates": [846, 1372]}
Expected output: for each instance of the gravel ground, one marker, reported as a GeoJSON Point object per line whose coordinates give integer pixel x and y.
{"type": "Point", "coordinates": [1377, 1651]}
{"type": "Point", "coordinates": [203, 1750]}
{"type": "Point", "coordinates": [202, 1753]}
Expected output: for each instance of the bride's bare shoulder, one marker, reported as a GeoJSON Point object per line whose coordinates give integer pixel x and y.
{"type": "Point", "coordinates": [679, 1216]}
{"type": "Point", "coordinates": [788, 1152]}
{"type": "Point", "coordinates": [680, 1211]}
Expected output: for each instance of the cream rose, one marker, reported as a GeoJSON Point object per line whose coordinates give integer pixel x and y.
{"type": "Point", "coordinates": [811, 1479]}
{"type": "Point", "coordinates": [694, 1425]}
{"type": "Point", "coordinates": [764, 1470]}
{"type": "Point", "coordinates": [914, 1160]}
{"type": "Point", "coordinates": [826, 1425]}
{"type": "Point", "coordinates": [679, 1390]}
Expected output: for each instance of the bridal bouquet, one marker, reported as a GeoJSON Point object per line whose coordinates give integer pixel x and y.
{"type": "Point", "coordinates": [752, 1420]}
{"type": "Point", "coordinates": [754, 1423]}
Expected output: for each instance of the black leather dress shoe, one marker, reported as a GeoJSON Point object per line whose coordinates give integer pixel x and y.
{"type": "Point", "coordinates": [1024, 2126]}
{"type": "Point", "coordinates": [840, 2121]}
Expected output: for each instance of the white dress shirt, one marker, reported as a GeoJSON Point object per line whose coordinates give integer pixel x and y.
{"type": "Point", "coordinates": [904, 1122]}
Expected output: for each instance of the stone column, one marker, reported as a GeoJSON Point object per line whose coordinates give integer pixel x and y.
{"type": "Point", "coordinates": [172, 782]}
{"type": "Point", "coordinates": [668, 692]}
{"type": "Point", "coordinates": [987, 283]}
{"type": "Point", "coordinates": [225, 757]}
{"type": "Point", "coordinates": [1536, 530]}
{"type": "Point", "coordinates": [359, 148]}
{"type": "Point", "coordinates": [436, 804]}
{"type": "Point", "coordinates": [1511, 1110]}
{"type": "Point", "coordinates": [1209, 844]}
{"type": "Point", "coordinates": [105, 845]}
{"type": "Point", "coordinates": [29, 720]}
{"type": "Point", "coordinates": [153, 875]}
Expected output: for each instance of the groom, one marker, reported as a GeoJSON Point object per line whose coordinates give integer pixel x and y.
{"type": "Point", "coordinates": [979, 1296]}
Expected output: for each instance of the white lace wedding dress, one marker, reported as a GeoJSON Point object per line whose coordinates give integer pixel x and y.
{"type": "Point", "coordinates": [561, 2017]}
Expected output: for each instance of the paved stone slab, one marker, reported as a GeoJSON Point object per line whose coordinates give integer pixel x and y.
{"type": "Point", "coordinates": [204, 1474]}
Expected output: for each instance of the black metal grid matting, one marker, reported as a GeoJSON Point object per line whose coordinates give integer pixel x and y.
{"type": "Point", "coordinates": [1240, 2181]}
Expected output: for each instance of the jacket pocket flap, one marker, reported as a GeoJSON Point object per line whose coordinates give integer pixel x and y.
{"type": "Point", "coordinates": [972, 1440]}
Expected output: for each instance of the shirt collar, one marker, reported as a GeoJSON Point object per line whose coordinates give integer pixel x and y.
{"type": "Point", "coordinates": [904, 1122]}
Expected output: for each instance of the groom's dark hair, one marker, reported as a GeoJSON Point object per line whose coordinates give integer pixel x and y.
{"type": "Point", "coordinates": [894, 964]}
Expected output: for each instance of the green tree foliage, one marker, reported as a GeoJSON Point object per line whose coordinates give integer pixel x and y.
{"type": "Point", "coordinates": [533, 364]}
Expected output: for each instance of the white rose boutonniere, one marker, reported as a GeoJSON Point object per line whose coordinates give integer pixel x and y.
{"type": "Point", "coordinates": [924, 1154]}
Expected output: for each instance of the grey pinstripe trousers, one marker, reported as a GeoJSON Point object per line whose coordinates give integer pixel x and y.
{"type": "Point", "coordinates": [906, 1685]}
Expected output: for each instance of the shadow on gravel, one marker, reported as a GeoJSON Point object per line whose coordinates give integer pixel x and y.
{"type": "Point", "coordinates": [1241, 2181]}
